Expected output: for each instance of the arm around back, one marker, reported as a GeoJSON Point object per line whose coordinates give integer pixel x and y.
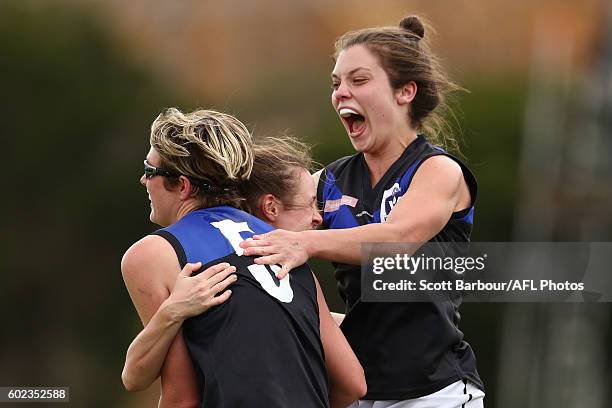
{"type": "Point", "coordinates": [191, 296]}
{"type": "Point", "coordinates": [149, 269]}
{"type": "Point", "coordinates": [346, 376]}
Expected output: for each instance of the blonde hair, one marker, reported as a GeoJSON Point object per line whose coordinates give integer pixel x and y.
{"type": "Point", "coordinates": [213, 149]}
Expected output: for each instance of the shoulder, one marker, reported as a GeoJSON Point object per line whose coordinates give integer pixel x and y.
{"type": "Point", "coordinates": [343, 164]}
{"type": "Point", "coordinates": [147, 256]}
{"type": "Point", "coordinates": [441, 165]}
{"type": "Point", "coordinates": [440, 171]}
{"type": "Point", "coordinates": [448, 170]}
{"type": "Point", "coordinates": [342, 169]}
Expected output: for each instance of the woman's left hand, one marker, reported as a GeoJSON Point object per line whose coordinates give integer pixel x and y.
{"type": "Point", "coordinates": [280, 247]}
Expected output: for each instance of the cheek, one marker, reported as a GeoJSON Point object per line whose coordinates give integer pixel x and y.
{"type": "Point", "coordinates": [381, 110]}
{"type": "Point", "coordinates": [304, 222]}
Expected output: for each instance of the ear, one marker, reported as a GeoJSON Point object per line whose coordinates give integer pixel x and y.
{"type": "Point", "coordinates": [185, 187]}
{"type": "Point", "coordinates": [406, 93]}
{"type": "Point", "coordinates": [269, 207]}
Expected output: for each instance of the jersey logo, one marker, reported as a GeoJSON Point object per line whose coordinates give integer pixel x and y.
{"type": "Point", "coordinates": [389, 199]}
{"type": "Point", "coordinates": [334, 205]}
{"type": "Point", "coordinates": [279, 289]}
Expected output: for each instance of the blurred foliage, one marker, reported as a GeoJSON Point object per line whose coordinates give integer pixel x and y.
{"type": "Point", "coordinates": [492, 128]}
{"type": "Point", "coordinates": [75, 120]}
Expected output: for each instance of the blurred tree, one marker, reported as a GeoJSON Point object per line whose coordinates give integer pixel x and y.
{"type": "Point", "coordinates": [75, 115]}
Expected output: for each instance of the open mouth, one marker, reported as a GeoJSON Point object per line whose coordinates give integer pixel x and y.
{"type": "Point", "coordinates": [354, 120]}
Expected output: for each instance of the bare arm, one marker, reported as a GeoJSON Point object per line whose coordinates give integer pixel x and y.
{"type": "Point", "coordinates": [437, 190]}
{"type": "Point", "coordinates": [149, 269]}
{"type": "Point", "coordinates": [146, 354]}
{"type": "Point", "coordinates": [346, 376]}
{"type": "Point", "coordinates": [190, 296]}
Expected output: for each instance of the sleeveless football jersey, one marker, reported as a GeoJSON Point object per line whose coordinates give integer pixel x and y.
{"type": "Point", "coordinates": [407, 350]}
{"type": "Point", "coordinates": [262, 347]}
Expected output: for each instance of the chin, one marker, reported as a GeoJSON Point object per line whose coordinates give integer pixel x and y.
{"type": "Point", "coordinates": [359, 146]}
{"type": "Point", "coordinates": [361, 143]}
{"type": "Point", "coordinates": [154, 219]}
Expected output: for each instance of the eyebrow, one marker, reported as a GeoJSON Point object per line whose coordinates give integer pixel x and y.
{"type": "Point", "coordinates": [351, 72]}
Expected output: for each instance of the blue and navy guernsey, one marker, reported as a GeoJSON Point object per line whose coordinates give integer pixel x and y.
{"type": "Point", "coordinates": [407, 350]}
{"type": "Point", "coordinates": [262, 347]}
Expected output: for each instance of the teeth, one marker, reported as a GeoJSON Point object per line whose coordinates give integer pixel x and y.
{"type": "Point", "coordinates": [345, 112]}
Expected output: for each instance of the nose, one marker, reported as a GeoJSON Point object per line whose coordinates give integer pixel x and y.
{"type": "Point", "coordinates": [341, 92]}
{"type": "Point", "coordinates": [143, 180]}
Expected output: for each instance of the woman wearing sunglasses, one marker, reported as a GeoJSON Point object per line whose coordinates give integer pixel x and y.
{"type": "Point", "coordinates": [233, 346]}
{"type": "Point", "coordinates": [388, 90]}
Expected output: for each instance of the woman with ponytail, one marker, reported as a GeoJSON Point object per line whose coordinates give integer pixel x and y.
{"type": "Point", "coordinates": [401, 186]}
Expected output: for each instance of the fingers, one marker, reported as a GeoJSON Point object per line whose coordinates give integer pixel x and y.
{"type": "Point", "coordinates": [221, 276]}
{"type": "Point", "coordinates": [217, 300]}
{"type": "Point", "coordinates": [215, 269]}
{"type": "Point", "coordinates": [269, 260]}
{"type": "Point", "coordinates": [221, 286]}
{"type": "Point", "coordinates": [254, 242]}
{"type": "Point", "coordinates": [190, 268]}
{"type": "Point", "coordinates": [276, 261]}
{"type": "Point", "coordinates": [260, 251]}
{"type": "Point", "coordinates": [214, 300]}
{"type": "Point", "coordinates": [283, 272]}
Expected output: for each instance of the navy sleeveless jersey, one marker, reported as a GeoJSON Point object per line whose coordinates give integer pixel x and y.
{"type": "Point", "coordinates": [407, 350]}
{"type": "Point", "coordinates": [262, 347]}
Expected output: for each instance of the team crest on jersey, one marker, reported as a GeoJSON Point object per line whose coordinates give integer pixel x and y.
{"type": "Point", "coordinates": [389, 199]}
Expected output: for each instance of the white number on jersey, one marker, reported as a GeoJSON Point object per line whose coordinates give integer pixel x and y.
{"type": "Point", "coordinates": [231, 231]}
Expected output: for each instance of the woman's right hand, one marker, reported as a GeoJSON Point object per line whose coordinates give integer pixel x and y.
{"type": "Point", "coordinates": [193, 295]}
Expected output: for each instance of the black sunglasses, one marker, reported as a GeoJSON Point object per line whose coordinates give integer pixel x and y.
{"type": "Point", "coordinates": [152, 171]}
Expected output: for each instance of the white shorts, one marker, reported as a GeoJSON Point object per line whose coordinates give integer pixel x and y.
{"type": "Point", "coordinates": [457, 395]}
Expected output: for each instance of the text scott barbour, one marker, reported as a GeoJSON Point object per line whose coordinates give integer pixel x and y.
{"type": "Point", "coordinates": [512, 285]}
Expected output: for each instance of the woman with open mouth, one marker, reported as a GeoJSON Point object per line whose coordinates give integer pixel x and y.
{"type": "Point", "coordinates": [400, 187]}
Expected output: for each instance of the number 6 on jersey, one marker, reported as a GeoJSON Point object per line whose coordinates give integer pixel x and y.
{"type": "Point", "coordinates": [231, 231]}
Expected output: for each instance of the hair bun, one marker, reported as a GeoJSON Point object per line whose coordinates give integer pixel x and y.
{"type": "Point", "coordinates": [414, 25]}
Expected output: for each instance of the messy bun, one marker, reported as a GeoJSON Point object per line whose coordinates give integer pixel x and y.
{"type": "Point", "coordinates": [414, 25]}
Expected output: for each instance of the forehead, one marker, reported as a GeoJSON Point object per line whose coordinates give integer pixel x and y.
{"type": "Point", "coordinates": [306, 186]}
{"type": "Point", "coordinates": [354, 59]}
{"type": "Point", "coordinates": [153, 157]}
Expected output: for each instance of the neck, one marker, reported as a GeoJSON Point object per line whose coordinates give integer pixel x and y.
{"type": "Point", "coordinates": [379, 161]}
{"type": "Point", "coordinates": [185, 207]}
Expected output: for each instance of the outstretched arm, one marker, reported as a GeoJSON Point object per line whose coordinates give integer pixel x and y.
{"type": "Point", "coordinates": [346, 376]}
{"type": "Point", "coordinates": [190, 296]}
{"type": "Point", "coordinates": [437, 190]}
